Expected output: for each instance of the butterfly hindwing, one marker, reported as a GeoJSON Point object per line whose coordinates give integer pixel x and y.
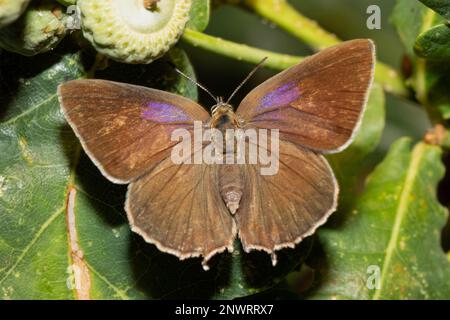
{"type": "Point", "coordinates": [278, 211]}
{"type": "Point", "coordinates": [178, 208]}
{"type": "Point", "coordinates": [317, 104]}
{"type": "Point", "coordinates": [125, 129]}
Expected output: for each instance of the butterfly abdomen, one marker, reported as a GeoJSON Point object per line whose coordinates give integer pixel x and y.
{"type": "Point", "coordinates": [231, 185]}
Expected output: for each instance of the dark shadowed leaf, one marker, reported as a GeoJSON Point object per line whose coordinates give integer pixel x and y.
{"type": "Point", "coordinates": [440, 6]}
{"type": "Point", "coordinates": [160, 75]}
{"type": "Point", "coordinates": [388, 247]}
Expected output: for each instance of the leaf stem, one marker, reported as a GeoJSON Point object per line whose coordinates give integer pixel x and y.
{"type": "Point", "coordinates": [288, 18]}
{"type": "Point", "coordinates": [421, 74]}
{"type": "Point", "coordinates": [100, 63]}
{"type": "Point", "coordinates": [384, 75]}
{"type": "Point", "coordinates": [239, 51]}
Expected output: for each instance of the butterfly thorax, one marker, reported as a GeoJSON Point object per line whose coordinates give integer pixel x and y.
{"type": "Point", "coordinates": [231, 181]}
{"type": "Point", "coordinates": [223, 117]}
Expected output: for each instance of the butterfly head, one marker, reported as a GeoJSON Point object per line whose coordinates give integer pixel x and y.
{"type": "Point", "coordinates": [222, 115]}
{"type": "Point", "coordinates": [221, 107]}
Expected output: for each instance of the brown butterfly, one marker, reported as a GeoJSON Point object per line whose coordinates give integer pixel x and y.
{"type": "Point", "coordinates": [197, 210]}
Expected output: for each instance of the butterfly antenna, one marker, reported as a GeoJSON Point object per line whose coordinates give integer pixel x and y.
{"type": "Point", "coordinates": [193, 81]}
{"type": "Point", "coordinates": [246, 79]}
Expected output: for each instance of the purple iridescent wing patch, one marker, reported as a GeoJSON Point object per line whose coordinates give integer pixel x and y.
{"type": "Point", "coordinates": [164, 113]}
{"type": "Point", "coordinates": [281, 96]}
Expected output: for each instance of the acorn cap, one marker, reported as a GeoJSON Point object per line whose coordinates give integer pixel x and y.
{"type": "Point", "coordinates": [133, 31]}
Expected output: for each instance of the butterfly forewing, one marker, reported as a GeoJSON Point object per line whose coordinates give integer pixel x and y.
{"type": "Point", "coordinates": [318, 103]}
{"type": "Point", "coordinates": [125, 129]}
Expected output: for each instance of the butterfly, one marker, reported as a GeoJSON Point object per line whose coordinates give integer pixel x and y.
{"type": "Point", "coordinates": [197, 210]}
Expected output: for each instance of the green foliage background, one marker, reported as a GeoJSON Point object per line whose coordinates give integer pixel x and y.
{"type": "Point", "coordinates": [389, 215]}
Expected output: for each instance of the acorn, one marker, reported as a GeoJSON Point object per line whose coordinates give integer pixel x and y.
{"type": "Point", "coordinates": [38, 30]}
{"type": "Point", "coordinates": [133, 31]}
{"type": "Point", "coordinates": [11, 10]}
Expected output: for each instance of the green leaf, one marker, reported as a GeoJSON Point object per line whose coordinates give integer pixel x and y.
{"type": "Point", "coordinates": [199, 16]}
{"type": "Point", "coordinates": [434, 44]}
{"type": "Point", "coordinates": [394, 229]}
{"type": "Point", "coordinates": [440, 6]}
{"type": "Point", "coordinates": [411, 18]}
{"type": "Point", "coordinates": [429, 79]}
{"type": "Point", "coordinates": [35, 171]}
